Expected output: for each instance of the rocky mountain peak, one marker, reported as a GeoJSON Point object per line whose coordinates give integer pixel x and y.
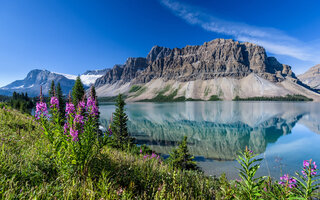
{"type": "Point", "coordinates": [213, 59]}
{"type": "Point", "coordinates": [33, 74]}
{"type": "Point", "coordinates": [157, 52]}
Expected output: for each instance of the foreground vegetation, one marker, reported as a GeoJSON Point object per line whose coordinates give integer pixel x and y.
{"type": "Point", "coordinates": [63, 157]}
{"type": "Point", "coordinates": [29, 169]}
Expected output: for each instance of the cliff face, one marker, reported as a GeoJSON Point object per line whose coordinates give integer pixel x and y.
{"type": "Point", "coordinates": [218, 58]}
{"type": "Point", "coordinates": [125, 73]}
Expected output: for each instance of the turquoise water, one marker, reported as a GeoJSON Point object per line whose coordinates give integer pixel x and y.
{"type": "Point", "coordinates": [283, 133]}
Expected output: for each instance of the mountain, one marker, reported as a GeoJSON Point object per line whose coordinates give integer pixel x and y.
{"type": "Point", "coordinates": [312, 77]}
{"type": "Point", "coordinates": [225, 68]}
{"type": "Point", "coordinates": [36, 78]}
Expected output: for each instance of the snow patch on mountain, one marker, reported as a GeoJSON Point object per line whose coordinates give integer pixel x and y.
{"type": "Point", "coordinates": [19, 87]}
{"type": "Point", "coordinates": [88, 78]}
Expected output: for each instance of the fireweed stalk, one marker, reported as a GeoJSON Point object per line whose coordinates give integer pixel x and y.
{"type": "Point", "coordinates": [82, 132]}
{"type": "Point", "coordinates": [287, 186]}
{"type": "Point", "coordinates": [286, 181]}
{"type": "Point", "coordinates": [249, 185]}
{"type": "Point", "coordinates": [41, 115]}
{"type": "Point", "coordinates": [74, 141]}
{"type": "Point", "coordinates": [308, 181]}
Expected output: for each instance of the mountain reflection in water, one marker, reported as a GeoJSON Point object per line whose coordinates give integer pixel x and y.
{"type": "Point", "coordinates": [215, 130]}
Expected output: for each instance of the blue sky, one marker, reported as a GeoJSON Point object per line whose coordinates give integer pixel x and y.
{"type": "Point", "coordinates": [72, 36]}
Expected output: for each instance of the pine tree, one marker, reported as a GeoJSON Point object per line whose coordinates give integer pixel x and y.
{"type": "Point", "coordinates": [60, 97]}
{"type": "Point", "coordinates": [93, 92]}
{"type": "Point", "coordinates": [77, 91]}
{"type": "Point", "coordinates": [52, 89]}
{"type": "Point", "coordinates": [119, 124]}
{"type": "Point", "coordinates": [94, 95]}
{"type": "Point", "coordinates": [97, 122]}
{"type": "Point", "coordinates": [14, 95]}
{"type": "Point", "coordinates": [180, 157]}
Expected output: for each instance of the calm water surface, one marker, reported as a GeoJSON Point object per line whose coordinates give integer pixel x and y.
{"type": "Point", "coordinates": [283, 133]}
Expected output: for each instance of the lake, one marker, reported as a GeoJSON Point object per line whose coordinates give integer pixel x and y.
{"type": "Point", "coordinates": [283, 133]}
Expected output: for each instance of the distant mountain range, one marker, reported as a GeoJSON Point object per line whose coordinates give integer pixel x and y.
{"type": "Point", "coordinates": [221, 68]}
{"type": "Point", "coordinates": [36, 78]}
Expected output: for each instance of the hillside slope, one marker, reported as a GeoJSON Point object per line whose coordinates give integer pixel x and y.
{"type": "Point", "coordinates": [312, 77]}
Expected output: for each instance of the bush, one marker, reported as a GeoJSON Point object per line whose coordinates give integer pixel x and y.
{"type": "Point", "coordinates": [214, 98]}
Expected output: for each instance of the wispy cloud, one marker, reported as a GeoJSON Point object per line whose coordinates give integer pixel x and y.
{"type": "Point", "coordinates": [275, 41]}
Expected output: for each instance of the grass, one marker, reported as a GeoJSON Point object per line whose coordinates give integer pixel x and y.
{"type": "Point", "coordinates": [140, 91]}
{"type": "Point", "coordinates": [135, 88]}
{"type": "Point", "coordinates": [296, 97]}
{"type": "Point", "coordinates": [28, 172]}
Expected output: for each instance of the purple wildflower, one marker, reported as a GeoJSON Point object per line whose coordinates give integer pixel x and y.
{"type": "Point", "coordinates": [41, 110]}
{"type": "Point", "coordinates": [91, 102]}
{"type": "Point", "coordinates": [78, 119]}
{"type": "Point", "coordinates": [69, 108]}
{"type": "Point", "coordinates": [309, 166]}
{"type": "Point", "coordinates": [74, 133]}
{"type": "Point", "coordinates": [287, 181]}
{"type": "Point", "coordinates": [153, 155]}
{"type": "Point", "coordinates": [94, 111]}
{"type": "Point", "coordinates": [81, 106]}
{"type": "Point", "coordinates": [110, 131]}
{"type": "Point", "coordinates": [54, 102]}
{"type": "Point", "coordinates": [66, 127]}
{"type": "Point", "coordinates": [306, 163]}
{"type": "Point", "coordinates": [140, 151]}
{"type": "Point", "coordinates": [92, 107]}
